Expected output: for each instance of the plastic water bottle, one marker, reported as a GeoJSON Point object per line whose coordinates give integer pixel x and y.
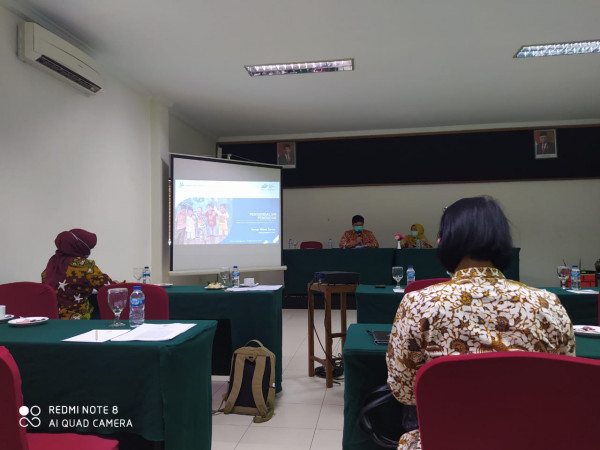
{"type": "Point", "coordinates": [418, 245]}
{"type": "Point", "coordinates": [146, 275]}
{"type": "Point", "coordinates": [410, 275]}
{"type": "Point", "coordinates": [137, 307]}
{"type": "Point", "coordinates": [330, 243]}
{"type": "Point", "coordinates": [290, 244]}
{"type": "Point", "coordinates": [235, 276]}
{"type": "Point", "coordinates": [575, 277]}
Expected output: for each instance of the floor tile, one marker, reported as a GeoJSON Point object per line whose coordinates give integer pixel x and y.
{"type": "Point", "coordinates": [270, 438]}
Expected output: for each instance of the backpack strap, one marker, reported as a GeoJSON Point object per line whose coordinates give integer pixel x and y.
{"type": "Point", "coordinates": [265, 409]}
{"type": "Point", "coordinates": [236, 383]}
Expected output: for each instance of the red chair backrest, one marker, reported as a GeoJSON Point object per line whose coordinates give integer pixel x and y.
{"type": "Point", "coordinates": [157, 301]}
{"type": "Point", "coordinates": [516, 400]}
{"type": "Point", "coordinates": [311, 244]}
{"type": "Point", "coordinates": [420, 284]}
{"type": "Point", "coordinates": [14, 436]}
{"type": "Point", "coordinates": [26, 298]}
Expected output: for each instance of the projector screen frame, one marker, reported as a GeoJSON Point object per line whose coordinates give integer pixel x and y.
{"type": "Point", "coordinates": [171, 210]}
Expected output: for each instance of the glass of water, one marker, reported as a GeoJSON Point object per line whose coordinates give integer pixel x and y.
{"type": "Point", "coordinates": [397, 274]}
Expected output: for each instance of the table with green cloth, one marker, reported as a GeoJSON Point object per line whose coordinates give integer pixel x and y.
{"type": "Point", "coordinates": [365, 369]}
{"type": "Point", "coordinates": [427, 265]}
{"type": "Point", "coordinates": [252, 314]}
{"type": "Point", "coordinates": [160, 390]}
{"type": "Point", "coordinates": [373, 264]}
{"type": "Point", "coordinates": [379, 305]}
{"type": "Point", "coordinates": [581, 308]}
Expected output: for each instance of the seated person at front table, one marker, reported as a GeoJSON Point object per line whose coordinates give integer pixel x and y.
{"type": "Point", "coordinates": [72, 275]}
{"type": "Point", "coordinates": [478, 310]}
{"type": "Point", "coordinates": [358, 237]}
{"type": "Point", "coordinates": [417, 232]}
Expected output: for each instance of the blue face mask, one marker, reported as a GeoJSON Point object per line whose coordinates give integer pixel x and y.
{"type": "Point", "coordinates": [414, 233]}
{"type": "Point", "coordinates": [358, 229]}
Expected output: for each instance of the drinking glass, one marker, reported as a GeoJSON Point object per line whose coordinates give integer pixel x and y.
{"type": "Point", "coordinates": [224, 275]}
{"type": "Point", "coordinates": [397, 274]}
{"type": "Point", "coordinates": [137, 273]}
{"type": "Point", "coordinates": [117, 301]}
{"type": "Point", "coordinates": [563, 275]}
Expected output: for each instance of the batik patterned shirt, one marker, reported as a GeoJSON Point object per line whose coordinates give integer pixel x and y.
{"type": "Point", "coordinates": [477, 311]}
{"type": "Point", "coordinates": [81, 278]}
{"type": "Point", "coordinates": [350, 239]}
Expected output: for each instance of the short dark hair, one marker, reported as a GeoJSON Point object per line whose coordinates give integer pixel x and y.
{"type": "Point", "coordinates": [474, 227]}
{"type": "Point", "coordinates": [358, 218]}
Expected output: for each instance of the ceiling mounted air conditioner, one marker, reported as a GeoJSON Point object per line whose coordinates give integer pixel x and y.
{"type": "Point", "coordinates": [45, 50]}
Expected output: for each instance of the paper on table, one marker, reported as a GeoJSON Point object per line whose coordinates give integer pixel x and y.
{"type": "Point", "coordinates": [399, 290]}
{"type": "Point", "coordinates": [97, 335]}
{"type": "Point", "coordinates": [260, 287]}
{"type": "Point", "coordinates": [582, 291]}
{"type": "Point", "coordinates": [155, 332]}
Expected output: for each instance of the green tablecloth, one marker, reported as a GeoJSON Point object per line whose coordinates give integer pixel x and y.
{"type": "Point", "coordinates": [376, 305]}
{"type": "Point", "coordinates": [252, 314]}
{"type": "Point", "coordinates": [365, 369]}
{"type": "Point", "coordinates": [582, 308]}
{"type": "Point", "coordinates": [427, 265]}
{"type": "Point", "coordinates": [163, 388]}
{"type": "Point", "coordinates": [373, 264]}
{"type": "Point", "coordinates": [379, 305]}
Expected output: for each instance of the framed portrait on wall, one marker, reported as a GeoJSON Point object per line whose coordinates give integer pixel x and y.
{"type": "Point", "coordinates": [545, 144]}
{"type": "Point", "coordinates": [286, 154]}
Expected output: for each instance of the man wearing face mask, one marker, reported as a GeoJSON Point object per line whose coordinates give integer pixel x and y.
{"type": "Point", "coordinates": [358, 237]}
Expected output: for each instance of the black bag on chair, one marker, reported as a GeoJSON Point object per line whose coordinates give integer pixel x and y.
{"type": "Point", "coordinates": [384, 419]}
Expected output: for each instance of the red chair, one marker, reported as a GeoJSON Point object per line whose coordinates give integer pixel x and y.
{"type": "Point", "coordinates": [516, 400]}
{"type": "Point", "coordinates": [420, 284]}
{"type": "Point", "coordinates": [15, 436]}
{"type": "Point", "coordinates": [157, 301]}
{"type": "Point", "coordinates": [311, 244]}
{"type": "Point", "coordinates": [26, 299]}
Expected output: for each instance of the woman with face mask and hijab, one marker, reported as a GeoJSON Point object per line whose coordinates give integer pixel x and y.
{"type": "Point", "coordinates": [416, 238]}
{"type": "Point", "coordinates": [72, 275]}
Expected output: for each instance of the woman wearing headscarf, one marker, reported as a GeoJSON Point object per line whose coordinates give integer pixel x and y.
{"type": "Point", "coordinates": [417, 235]}
{"type": "Point", "coordinates": [72, 275]}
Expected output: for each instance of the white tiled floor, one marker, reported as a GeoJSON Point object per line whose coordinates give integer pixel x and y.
{"type": "Point", "coordinates": [308, 416]}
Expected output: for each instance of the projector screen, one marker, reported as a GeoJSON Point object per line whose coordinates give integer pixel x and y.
{"type": "Point", "coordinates": [224, 213]}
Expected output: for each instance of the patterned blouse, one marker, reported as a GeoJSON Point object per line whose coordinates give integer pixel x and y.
{"type": "Point", "coordinates": [477, 311]}
{"type": "Point", "coordinates": [82, 276]}
{"type": "Point", "coordinates": [350, 239]}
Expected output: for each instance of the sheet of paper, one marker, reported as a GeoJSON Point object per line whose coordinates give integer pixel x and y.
{"type": "Point", "coordinates": [260, 287]}
{"type": "Point", "coordinates": [97, 335]}
{"type": "Point", "coordinates": [399, 290]}
{"type": "Point", "coordinates": [155, 332]}
{"type": "Point", "coordinates": [582, 291]}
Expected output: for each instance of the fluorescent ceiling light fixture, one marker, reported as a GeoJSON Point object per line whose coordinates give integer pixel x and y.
{"type": "Point", "coordinates": [337, 65]}
{"type": "Point", "coordinates": [561, 48]}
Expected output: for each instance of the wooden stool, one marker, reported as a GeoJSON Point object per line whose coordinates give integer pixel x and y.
{"type": "Point", "coordinates": [326, 290]}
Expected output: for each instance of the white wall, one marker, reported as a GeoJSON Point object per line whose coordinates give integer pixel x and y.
{"type": "Point", "coordinates": [66, 161]}
{"type": "Point", "coordinates": [551, 220]}
{"type": "Point", "coordinates": [186, 140]}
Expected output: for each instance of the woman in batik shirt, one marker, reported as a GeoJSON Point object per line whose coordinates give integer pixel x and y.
{"type": "Point", "coordinates": [72, 275]}
{"type": "Point", "coordinates": [478, 310]}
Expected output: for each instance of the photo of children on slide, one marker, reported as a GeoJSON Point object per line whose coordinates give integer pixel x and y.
{"type": "Point", "coordinates": [201, 221]}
